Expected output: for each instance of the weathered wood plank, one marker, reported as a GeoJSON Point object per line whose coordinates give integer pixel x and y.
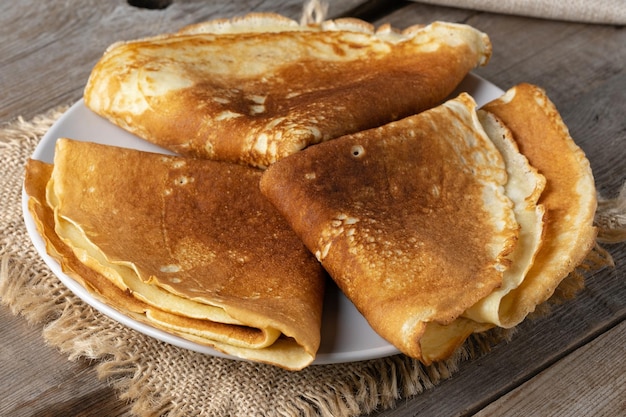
{"type": "Point", "coordinates": [37, 380]}
{"type": "Point", "coordinates": [589, 381]}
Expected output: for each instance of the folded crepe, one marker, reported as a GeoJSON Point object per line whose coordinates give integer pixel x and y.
{"type": "Point", "coordinates": [189, 246]}
{"type": "Point", "coordinates": [569, 198]}
{"type": "Point", "coordinates": [255, 89]}
{"type": "Point", "coordinates": [410, 219]}
{"type": "Point", "coordinates": [438, 225]}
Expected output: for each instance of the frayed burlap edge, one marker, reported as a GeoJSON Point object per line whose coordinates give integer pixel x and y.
{"type": "Point", "coordinates": [611, 218]}
{"type": "Point", "coordinates": [161, 379]}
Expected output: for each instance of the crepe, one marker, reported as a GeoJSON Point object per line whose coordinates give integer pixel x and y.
{"type": "Point", "coordinates": [524, 187]}
{"type": "Point", "coordinates": [410, 219]}
{"type": "Point", "coordinates": [195, 244]}
{"type": "Point", "coordinates": [255, 89]}
{"type": "Point", "coordinates": [569, 198]}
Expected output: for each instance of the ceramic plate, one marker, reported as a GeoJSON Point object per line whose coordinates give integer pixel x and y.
{"type": "Point", "coordinates": [346, 336]}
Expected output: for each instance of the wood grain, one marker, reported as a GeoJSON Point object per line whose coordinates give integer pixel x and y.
{"type": "Point", "coordinates": [37, 380]}
{"type": "Point", "coordinates": [589, 381]}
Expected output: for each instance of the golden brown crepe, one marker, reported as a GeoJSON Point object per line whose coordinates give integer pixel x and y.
{"type": "Point", "coordinates": [569, 197]}
{"type": "Point", "coordinates": [410, 219]}
{"type": "Point", "coordinates": [200, 250]}
{"type": "Point", "coordinates": [255, 89]}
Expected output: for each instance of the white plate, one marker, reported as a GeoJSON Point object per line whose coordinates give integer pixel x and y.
{"type": "Point", "coordinates": [346, 336]}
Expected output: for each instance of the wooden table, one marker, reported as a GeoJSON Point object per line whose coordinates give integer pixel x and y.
{"type": "Point", "coordinates": [570, 363]}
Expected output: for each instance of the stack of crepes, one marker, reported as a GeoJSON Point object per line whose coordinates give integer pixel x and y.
{"type": "Point", "coordinates": [306, 150]}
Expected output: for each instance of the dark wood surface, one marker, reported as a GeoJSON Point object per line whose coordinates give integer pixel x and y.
{"type": "Point", "coordinates": [568, 363]}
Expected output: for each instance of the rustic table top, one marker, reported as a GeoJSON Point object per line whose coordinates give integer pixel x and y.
{"type": "Point", "coordinates": [568, 363]}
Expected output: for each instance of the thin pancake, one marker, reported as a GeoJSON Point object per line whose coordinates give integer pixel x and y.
{"type": "Point", "coordinates": [410, 219]}
{"type": "Point", "coordinates": [195, 243]}
{"type": "Point", "coordinates": [569, 197]}
{"type": "Point", "coordinates": [271, 88]}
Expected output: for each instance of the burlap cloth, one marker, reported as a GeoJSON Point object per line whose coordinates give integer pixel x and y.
{"type": "Point", "coordinates": [161, 379]}
{"type": "Point", "coordinates": [596, 11]}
